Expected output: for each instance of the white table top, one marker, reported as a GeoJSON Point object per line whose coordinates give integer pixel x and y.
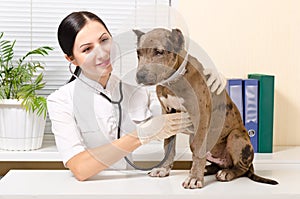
{"type": "Point", "coordinates": [136, 184]}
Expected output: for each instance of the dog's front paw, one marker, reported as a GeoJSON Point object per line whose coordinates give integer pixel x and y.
{"type": "Point", "coordinates": [193, 183]}
{"type": "Point", "coordinates": [159, 172]}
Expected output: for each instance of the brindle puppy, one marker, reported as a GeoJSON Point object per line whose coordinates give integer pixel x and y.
{"type": "Point", "coordinates": [218, 127]}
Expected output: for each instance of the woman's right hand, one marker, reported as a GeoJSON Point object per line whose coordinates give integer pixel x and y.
{"type": "Point", "coordinates": [163, 126]}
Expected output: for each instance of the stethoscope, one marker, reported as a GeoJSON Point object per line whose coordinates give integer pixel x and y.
{"type": "Point", "coordinates": [118, 103]}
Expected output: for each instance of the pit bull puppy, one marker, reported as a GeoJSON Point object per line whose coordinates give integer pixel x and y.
{"type": "Point", "coordinates": [219, 135]}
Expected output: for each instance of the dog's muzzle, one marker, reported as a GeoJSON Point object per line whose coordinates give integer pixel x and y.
{"type": "Point", "coordinates": [145, 77]}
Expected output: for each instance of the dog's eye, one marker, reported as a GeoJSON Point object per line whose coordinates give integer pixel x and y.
{"type": "Point", "coordinates": [158, 51]}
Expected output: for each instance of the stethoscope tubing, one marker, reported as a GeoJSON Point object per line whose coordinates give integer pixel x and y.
{"type": "Point", "coordinates": [120, 122]}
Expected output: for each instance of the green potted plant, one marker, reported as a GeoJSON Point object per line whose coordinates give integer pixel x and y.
{"type": "Point", "coordinates": [22, 111]}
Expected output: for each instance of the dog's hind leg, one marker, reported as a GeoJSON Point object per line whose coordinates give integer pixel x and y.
{"type": "Point", "coordinates": [211, 169]}
{"type": "Point", "coordinates": [241, 152]}
{"type": "Point", "coordinates": [164, 170]}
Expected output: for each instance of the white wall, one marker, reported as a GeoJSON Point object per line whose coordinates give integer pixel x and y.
{"type": "Point", "coordinates": [254, 36]}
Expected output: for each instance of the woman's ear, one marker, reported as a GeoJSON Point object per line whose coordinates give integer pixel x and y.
{"type": "Point", "coordinates": [71, 59]}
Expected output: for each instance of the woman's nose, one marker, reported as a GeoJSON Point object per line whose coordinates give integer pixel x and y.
{"type": "Point", "coordinates": [101, 53]}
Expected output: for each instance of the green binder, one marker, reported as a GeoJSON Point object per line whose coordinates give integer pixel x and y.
{"type": "Point", "coordinates": [265, 111]}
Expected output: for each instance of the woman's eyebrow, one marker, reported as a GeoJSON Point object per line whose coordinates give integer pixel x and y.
{"type": "Point", "coordinates": [90, 43]}
{"type": "Point", "coordinates": [102, 35]}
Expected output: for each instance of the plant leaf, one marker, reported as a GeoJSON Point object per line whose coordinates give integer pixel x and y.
{"type": "Point", "coordinates": [20, 79]}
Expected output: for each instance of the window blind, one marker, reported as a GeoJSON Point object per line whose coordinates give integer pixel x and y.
{"type": "Point", "coordinates": [34, 23]}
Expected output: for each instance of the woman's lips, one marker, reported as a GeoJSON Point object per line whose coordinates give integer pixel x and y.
{"type": "Point", "coordinates": [104, 64]}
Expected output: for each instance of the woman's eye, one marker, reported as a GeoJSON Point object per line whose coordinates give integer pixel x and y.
{"type": "Point", "coordinates": [86, 50]}
{"type": "Point", "coordinates": [105, 40]}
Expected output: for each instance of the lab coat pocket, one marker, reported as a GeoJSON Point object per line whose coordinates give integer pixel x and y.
{"type": "Point", "coordinates": [109, 126]}
{"type": "Point", "coordinates": [105, 132]}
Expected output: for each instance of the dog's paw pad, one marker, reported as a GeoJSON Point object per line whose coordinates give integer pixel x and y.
{"type": "Point", "coordinates": [159, 172]}
{"type": "Point", "coordinates": [224, 175]}
{"type": "Point", "coordinates": [193, 183]}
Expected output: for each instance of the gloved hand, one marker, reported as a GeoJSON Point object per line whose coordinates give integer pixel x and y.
{"type": "Point", "coordinates": [216, 81]}
{"type": "Point", "coordinates": [163, 126]}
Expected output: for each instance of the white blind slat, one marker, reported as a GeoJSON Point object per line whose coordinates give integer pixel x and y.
{"type": "Point", "coordinates": [33, 23]}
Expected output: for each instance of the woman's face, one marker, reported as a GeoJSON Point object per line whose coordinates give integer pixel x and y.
{"type": "Point", "coordinates": [91, 51]}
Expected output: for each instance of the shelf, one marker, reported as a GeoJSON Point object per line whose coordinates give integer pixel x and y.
{"type": "Point", "coordinates": [48, 152]}
{"type": "Point", "coordinates": [150, 152]}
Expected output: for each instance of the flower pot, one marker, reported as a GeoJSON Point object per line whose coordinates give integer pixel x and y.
{"type": "Point", "coordinates": [19, 130]}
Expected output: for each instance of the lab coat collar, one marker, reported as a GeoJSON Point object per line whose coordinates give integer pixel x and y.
{"type": "Point", "coordinates": [95, 86]}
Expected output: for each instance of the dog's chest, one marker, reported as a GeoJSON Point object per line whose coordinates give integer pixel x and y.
{"type": "Point", "coordinates": [172, 102]}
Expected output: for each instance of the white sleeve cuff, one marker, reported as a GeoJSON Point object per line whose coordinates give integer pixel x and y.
{"type": "Point", "coordinates": [67, 155]}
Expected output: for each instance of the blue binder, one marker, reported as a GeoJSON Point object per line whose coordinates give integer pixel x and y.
{"type": "Point", "coordinates": [251, 110]}
{"type": "Point", "coordinates": [235, 91]}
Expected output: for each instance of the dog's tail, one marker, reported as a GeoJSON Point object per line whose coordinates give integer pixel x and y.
{"type": "Point", "coordinates": [250, 174]}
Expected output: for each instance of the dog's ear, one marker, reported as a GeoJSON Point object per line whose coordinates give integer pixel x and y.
{"type": "Point", "coordinates": [138, 33]}
{"type": "Point", "coordinates": [178, 39]}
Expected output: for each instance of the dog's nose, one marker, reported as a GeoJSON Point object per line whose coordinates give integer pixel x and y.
{"type": "Point", "coordinates": [145, 77]}
{"type": "Point", "coordinates": [141, 76]}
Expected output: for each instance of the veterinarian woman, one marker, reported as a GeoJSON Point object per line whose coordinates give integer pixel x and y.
{"type": "Point", "coordinates": [82, 112]}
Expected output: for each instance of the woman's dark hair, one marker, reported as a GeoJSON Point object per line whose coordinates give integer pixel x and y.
{"type": "Point", "coordinates": [69, 28]}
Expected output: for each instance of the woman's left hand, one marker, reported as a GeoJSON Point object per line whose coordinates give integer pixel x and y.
{"type": "Point", "coordinates": [216, 81]}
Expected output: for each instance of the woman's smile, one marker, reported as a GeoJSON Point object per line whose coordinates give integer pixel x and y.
{"type": "Point", "coordinates": [104, 64]}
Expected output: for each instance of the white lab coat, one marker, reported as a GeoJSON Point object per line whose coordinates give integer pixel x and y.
{"type": "Point", "coordinates": [83, 119]}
